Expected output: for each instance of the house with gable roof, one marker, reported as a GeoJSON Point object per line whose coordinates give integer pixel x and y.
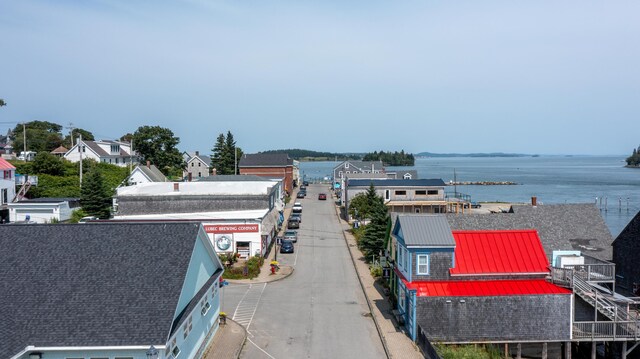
{"type": "Point", "coordinates": [626, 256]}
{"type": "Point", "coordinates": [145, 174]}
{"type": "Point", "coordinates": [118, 153]}
{"type": "Point", "coordinates": [7, 183]}
{"type": "Point", "coordinates": [107, 290]}
{"type": "Point", "coordinates": [197, 166]}
{"type": "Point", "coordinates": [492, 279]}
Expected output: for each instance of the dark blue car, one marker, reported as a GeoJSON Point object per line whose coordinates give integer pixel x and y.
{"type": "Point", "coordinates": [286, 246]}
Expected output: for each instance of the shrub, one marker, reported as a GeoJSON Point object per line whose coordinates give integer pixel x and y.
{"type": "Point", "coordinates": [467, 352]}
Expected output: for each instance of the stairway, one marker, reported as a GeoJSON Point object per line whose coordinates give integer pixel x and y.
{"type": "Point", "coordinates": [22, 192]}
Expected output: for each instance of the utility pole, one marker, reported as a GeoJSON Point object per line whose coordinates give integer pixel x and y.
{"type": "Point", "coordinates": [24, 140]}
{"type": "Point", "coordinates": [80, 145]}
{"type": "Point", "coordinates": [131, 156]}
{"type": "Point", "coordinates": [71, 127]}
{"type": "Point", "coordinates": [235, 160]}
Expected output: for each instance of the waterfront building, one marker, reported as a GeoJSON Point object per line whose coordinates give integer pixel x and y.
{"type": "Point", "coordinates": [626, 256]}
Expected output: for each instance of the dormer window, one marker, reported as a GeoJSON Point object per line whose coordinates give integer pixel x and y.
{"type": "Point", "coordinates": [115, 148]}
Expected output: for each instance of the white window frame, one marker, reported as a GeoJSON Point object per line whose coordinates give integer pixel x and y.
{"type": "Point", "coordinates": [418, 264]}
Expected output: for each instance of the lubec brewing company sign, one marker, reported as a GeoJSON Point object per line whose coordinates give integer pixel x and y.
{"type": "Point", "coordinates": [231, 228]}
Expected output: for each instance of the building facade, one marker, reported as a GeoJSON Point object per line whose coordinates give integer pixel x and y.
{"type": "Point", "coordinates": [197, 166]}
{"type": "Point", "coordinates": [274, 166]}
{"type": "Point", "coordinates": [105, 151]}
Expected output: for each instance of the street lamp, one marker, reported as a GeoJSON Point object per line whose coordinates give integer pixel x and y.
{"type": "Point", "coordinates": [152, 353]}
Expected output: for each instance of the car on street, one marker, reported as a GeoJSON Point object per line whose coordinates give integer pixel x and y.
{"type": "Point", "coordinates": [293, 223]}
{"type": "Point", "coordinates": [291, 235]}
{"type": "Point", "coordinates": [297, 207]}
{"type": "Point", "coordinates": [322, 197]}
{"type": "Point", "coordinates": [301, 194]}
{"type": "Point", "coordinates": [297, 216]}
{"type": "Point", "coordinates": [286, 246]}
{"type": "Point", "coordinates": [305, 183]}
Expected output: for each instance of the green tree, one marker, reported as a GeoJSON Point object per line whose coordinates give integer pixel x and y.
{"type": "Point", "coordinates": [375, 232]}
{"type": "Point", "coordinates": [158, 145]}
{"type": "Point", "coordinates": [46, 163]}
{"type": "Point", "coordinates": [75, 133]}
{"type": "Point", "coordinates": [359, 206]}
{"type": "Point", "coordinates": [95, 196]}
{"type": "Point", "coordinates": [2, 103]}
{"type": "Point", "coordinates": [41, 136]}
{"type": "Point", "coordinates": [226, 154]}
{"type": "Point", "coordinates": [217, 155]}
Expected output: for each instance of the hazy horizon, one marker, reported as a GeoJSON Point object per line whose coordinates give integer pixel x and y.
{"type": "Point", "coordinates": [532, 77]}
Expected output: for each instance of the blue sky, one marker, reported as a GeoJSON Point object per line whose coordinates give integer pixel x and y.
{"type": "Point", "coordinates": [546, 77]}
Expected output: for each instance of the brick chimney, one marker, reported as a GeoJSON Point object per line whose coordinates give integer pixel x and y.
{"type": "Point", "coordinates": [534, 201]}
{"type": "Point", "coordinates": [148, 164]}
{"type": "Point", "coordinates": [176, 187]}
{"type": "Point", "coordinates": [197, 153]}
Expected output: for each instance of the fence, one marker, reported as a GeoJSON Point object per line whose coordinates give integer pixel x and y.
{"type": "Point", "coordinates": [423, 343]}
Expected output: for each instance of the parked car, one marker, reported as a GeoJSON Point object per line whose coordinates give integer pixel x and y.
{"type": "Point", "coordinates": [291, 235]}
{"type": "Point", "coordinates": [293, 223]}
{"type": "Point", "coordinates": [286, 246]}
{"type": "Point", "coordinates": [297, 207]}
{"type": "Point", "coordinates": [305, 183]}
{"type": "Point", "coordinates": [297, 216]}
{"type": "Point", "coordinates": [322, 197]}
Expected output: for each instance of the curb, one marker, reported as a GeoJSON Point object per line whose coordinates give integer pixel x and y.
{"type": "Point", "coordinates": [373, 315]}
{"type": "Point", "coordinates": [243, 341]}
{"type": "Point", "coordinates": [238, 281]}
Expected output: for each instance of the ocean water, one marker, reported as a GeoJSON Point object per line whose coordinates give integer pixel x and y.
{"type": "Point", "coordinates": [552, 179]}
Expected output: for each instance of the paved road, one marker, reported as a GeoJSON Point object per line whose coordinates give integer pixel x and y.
{"type": "Point", "coordinates": [317, 312]}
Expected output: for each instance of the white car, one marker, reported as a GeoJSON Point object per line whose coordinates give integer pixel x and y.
{"type": "Point", "coordinates": [297, 207]}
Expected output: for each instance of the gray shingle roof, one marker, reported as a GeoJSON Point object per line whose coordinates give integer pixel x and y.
{"type": "Point", "coordinates": [153, 173]}
{"type": "Point", "coordinates": [560, 226]}
{"type": "Point", "coordinates": [426, 230]}
{"type": "Point", "coordinates": [266, 160]}
{"type": "Point", "coordinates": [100, 284]}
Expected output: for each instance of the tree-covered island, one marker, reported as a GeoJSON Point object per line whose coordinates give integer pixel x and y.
{"type": "Point", "coordinates": [391, 159]}
{"type": "Point", "coordinates": [634, 159]}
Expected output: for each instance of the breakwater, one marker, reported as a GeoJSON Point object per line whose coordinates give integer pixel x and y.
{"type": "Point", "coordinates": [482, 183]}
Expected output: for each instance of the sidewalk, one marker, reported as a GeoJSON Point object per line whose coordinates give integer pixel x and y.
{"type": "Point", "coordinates": [397, 344]}
{"type": "Point", "coordinates": [227, 342]}
{"type": "Point", "coordinates": [265, 271]}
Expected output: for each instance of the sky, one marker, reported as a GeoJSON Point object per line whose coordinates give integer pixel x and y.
{"type": "Point", "coordinates": [536, 77]}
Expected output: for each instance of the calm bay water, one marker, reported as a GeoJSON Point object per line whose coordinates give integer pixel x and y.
{"type": "Point", "coordinates": [552, 179]}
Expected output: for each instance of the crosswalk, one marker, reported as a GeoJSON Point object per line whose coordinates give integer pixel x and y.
{"type": "Point", "coordinates": [248, 305]}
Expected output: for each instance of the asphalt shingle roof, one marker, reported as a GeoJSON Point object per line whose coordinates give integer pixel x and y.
{"type": "Point", "coordinates": [100, 284]}
{"type": "Point", "coordinates": [153, 173]}
{"type": "Point", "coordinates": [232, 178]}
{"type": "Point", "coordinates": [560, 226]}
{"type": "Point", "coordinates": [426, 230]}
{"type": "Point", "coordinates": [266, 160]}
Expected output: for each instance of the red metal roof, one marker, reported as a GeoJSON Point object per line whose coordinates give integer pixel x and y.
{"type": "Point", "coordinates": [485, 288]}
{"type": "Point", "coordinates": [499, 252]}
{"type": "Point", "coordinates": [4, 165]}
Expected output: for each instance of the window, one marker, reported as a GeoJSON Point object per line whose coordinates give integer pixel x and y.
{"type": "Point", "coordinates": [116, 161]}
{"type": "Point", "coordinates": [340, 174]}
{"type": "Point", "coordinates": [199, 174]}
{"type": "Point", "coordinates": [406, 258]}
{"type": "Point", "coordinates": [193, 164]}
{"type": "Point", "coordinates": [387, 194]}
{"type": "Point", "coordinates": [423, 264]}
{"type": "Point", "coordinates": [432, 192]}
{"type": "Point", "coordinates": [199, 164]}
{"type": "Point", "coordinates": [417, 210]}
{"type": "Point", "coordinates": [402, 298]}
{"type": "Point", "coordinates": [346, 165]}
{"type": "Point", "coordinates": [175, 352]}
{"type": "Point", "coordinates": [400, 193]}
{"type": "Point", "coordinates": [421, 193]}
{"type": "Point", "coordinates": [3, 196]}
{"type": "Point", "coordinates": [115, 148]}
{"type": "Point", "coordinates": [187, 327]}
{"type": "Point", "coordinates": [205, 308]}
{"type": "Point", "coordinates": [7, 174]}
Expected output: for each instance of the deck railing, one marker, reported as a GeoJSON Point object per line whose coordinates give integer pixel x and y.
{"type": "Point", "coordinates": [606, 330]}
